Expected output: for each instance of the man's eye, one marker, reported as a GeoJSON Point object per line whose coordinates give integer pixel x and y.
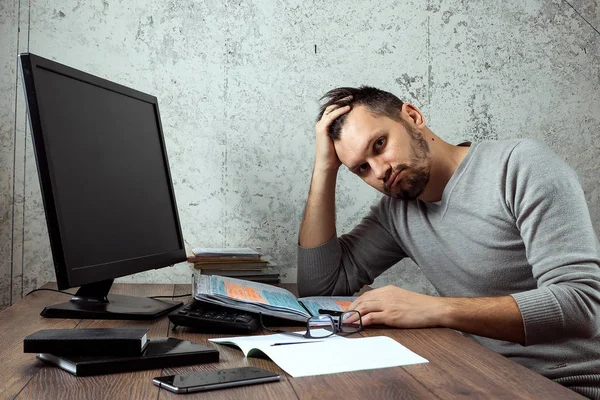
{"type": "Point", "coordinates": [379, 144]}
{"type": "Point", "coordinates": [362, 168]}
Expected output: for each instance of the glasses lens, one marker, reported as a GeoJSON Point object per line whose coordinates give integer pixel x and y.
{"type": "Point", "coordinates": [350, 322]}
{"type": "Point", "coordinates": [321, 326]}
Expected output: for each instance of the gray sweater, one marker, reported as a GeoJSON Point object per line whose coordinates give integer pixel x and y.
{"type": "Point", "coordinates": [512, 220]}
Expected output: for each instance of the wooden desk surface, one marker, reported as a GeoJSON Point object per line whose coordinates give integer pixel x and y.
{"type": "Point", "coordinates": [458, 367]}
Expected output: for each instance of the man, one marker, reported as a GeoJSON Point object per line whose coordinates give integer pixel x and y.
{"type": "Point", "coordinates": [501, 229]}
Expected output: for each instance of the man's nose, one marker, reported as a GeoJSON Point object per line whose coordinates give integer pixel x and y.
{"type": "Point", "coordinates": [380, 170]}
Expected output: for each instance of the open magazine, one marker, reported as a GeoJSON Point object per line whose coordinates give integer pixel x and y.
{"type": "Point", "coordinates": [261, 298]}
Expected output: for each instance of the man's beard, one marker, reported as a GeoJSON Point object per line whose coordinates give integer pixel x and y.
{"type": "Point", "coordinates": [418, 171]}
{"type": "Point", "coordinates": [413, 185]}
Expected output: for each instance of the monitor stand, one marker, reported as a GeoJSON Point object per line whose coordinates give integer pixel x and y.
{"type": "Point", "coordinates": [92, 301]}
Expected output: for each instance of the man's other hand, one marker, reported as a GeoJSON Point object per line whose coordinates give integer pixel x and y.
{"type": "Point", "coordinates": [397, 307]}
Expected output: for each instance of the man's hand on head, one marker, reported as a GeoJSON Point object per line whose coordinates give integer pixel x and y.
{"type": "Point", "coordinates": [397, 307]}
{"type": "Point", "coordinates": [326, 159]}
{"type": "Point", "coordinates": [318, 223]}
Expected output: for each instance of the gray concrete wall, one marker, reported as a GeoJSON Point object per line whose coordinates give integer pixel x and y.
{"type": "Point", "coordinates": [238, 84]}
{"type": "Point", "coordinates": [8, 49]}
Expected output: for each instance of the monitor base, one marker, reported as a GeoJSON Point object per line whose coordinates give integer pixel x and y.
{"type": "Point", "coordinates": [92, 301]}
{"type": "Point", "coordinates": [117, 307]}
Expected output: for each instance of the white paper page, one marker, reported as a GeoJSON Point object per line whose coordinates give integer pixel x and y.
{"type": "Point", "coordinates": [342, 356]}
{"type": "Point", "coordinates": [264, 342]}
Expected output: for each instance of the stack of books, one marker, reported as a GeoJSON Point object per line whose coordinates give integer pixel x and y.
{"type": "Point", "coordinates": [242, 263]}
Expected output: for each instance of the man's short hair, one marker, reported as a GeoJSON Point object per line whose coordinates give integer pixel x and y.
{"type": "Point", "coordinates": [377, 101]}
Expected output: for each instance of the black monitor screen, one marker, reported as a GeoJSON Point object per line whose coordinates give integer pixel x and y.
{"type": "Point", "coordinates": [108, 177]}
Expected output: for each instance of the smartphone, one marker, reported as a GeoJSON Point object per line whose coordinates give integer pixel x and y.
{"type": "Point", "coordinates": [209, 380]}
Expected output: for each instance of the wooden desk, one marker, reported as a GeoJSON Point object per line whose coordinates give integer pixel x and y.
{"type": "Point", "coordinates": [457, 368]}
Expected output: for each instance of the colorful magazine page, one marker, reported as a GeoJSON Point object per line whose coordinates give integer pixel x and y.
{"type": "Point", "coordinates": [250, 296]}
{"type": "Point", "coordinates": [314, 304]}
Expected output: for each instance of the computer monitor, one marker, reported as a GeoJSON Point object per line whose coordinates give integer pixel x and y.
{"type": "Point", "coordinates": [106, 187]}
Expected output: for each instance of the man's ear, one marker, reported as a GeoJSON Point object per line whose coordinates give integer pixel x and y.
{"type": "Point", "coordinates": [412, 113]}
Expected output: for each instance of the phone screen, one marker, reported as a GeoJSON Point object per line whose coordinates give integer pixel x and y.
{"type": "Point", "coordinates": [205, 380]}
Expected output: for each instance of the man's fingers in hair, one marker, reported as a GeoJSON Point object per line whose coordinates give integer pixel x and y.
{"type": "Point", "coordinates": [334, 113]}
{"type": "Point", "coordinates": [338, 104]}
{"type": "Point", "coordinates": [330, 108]}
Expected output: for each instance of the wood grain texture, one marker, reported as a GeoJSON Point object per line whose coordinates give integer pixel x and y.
{"type": "Point", "coordinates": [458, 367]}
{"type": "Point", "coordinates": [461, 368]}
{"type": "Point", "coordinates": [55, 383]}
{"type": "Point", "coordinates": [18, 321]}
{"type": "Point", "coordinates": [386, 383]}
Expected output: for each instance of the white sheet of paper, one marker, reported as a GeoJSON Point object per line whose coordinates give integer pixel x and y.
{"type": "Point", "coordinates": [342, 356]}
{"type": "Point", "coordinates": [330, 355]}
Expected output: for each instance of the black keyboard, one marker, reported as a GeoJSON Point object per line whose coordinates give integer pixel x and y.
{"type": "Point", "coordinates": [212, 318]}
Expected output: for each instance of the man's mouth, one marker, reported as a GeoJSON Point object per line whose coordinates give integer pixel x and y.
{"type": "Point", "coordinates": [393, 180]}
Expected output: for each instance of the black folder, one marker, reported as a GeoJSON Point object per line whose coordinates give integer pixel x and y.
{"type": "Point", "coordinates": [159, 353]}
{"type": "Point", "coordinates": [87, 342]}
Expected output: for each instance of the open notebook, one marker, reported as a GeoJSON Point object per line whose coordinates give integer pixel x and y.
{"type": "Point", "coordinates": [262, 298]}
{"type": "Point", "coordinates": [305, 357]}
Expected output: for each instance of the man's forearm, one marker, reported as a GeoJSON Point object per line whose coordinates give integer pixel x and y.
{"type": "Point", "coordinates": [318, 224]}
{"type": "Point", "coordinates": [493, 317]}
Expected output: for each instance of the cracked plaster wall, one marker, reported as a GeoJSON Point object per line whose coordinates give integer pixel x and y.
{"type": "Point", "coordinates": [238, 84]}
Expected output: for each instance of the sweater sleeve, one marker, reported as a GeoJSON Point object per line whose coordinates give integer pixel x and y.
{"type": "Point", "coordinates": [546, 199]}
{"type": "Point", "coordinates": [343, 265]}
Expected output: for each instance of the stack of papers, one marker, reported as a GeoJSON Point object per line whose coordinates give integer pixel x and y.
{"type": "Point", "coordinates": [305, 357]}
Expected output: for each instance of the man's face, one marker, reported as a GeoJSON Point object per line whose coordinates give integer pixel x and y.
{"type": "Point", "coordinates": [391, 156]}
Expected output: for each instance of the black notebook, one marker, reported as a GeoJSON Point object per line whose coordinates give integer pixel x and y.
{"type": "Point", "coordinates": [159, 353]}
{"type": "Point", "coordinates": [87, 342]}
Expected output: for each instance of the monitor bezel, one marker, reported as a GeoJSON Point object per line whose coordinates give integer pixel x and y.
{"type": "Point", "coordinates": [66, 276]}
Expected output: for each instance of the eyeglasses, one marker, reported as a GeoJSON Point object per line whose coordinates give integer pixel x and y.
{"type": "Point", "coordinates": [322, 326]}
